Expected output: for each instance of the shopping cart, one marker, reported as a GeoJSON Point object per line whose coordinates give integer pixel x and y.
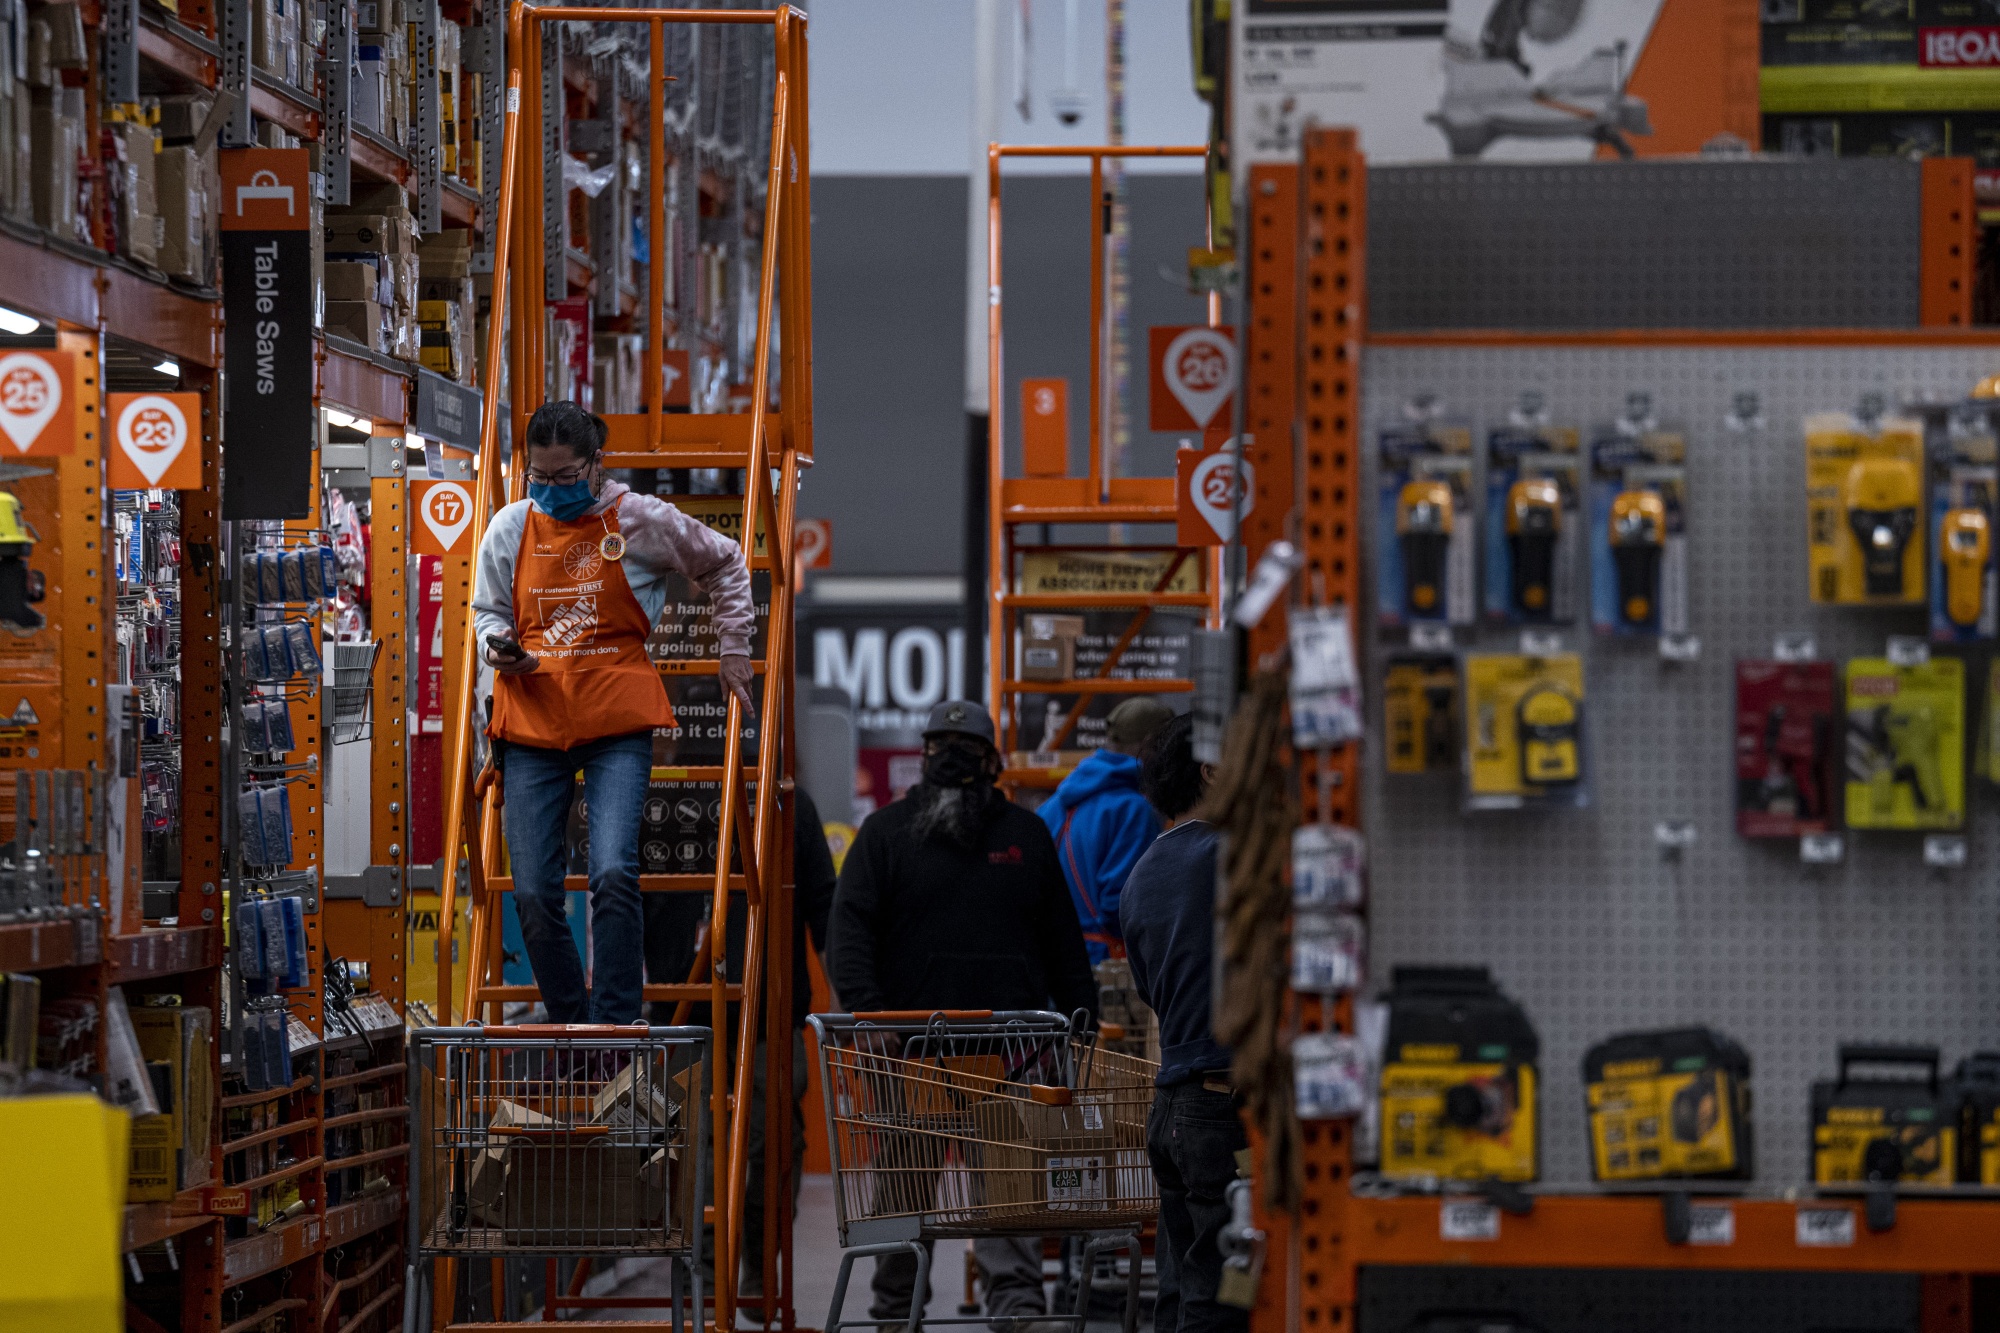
{"type": "Point", "coordinates": [1125, 1022]}
{"type": "Point", "coordinates": [965, 1125]}
{"type": "Point", "coordinates": [552, 1141]}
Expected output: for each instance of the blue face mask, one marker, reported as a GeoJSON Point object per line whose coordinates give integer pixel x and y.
{"type": "Point", "coordinates": [564, 504]}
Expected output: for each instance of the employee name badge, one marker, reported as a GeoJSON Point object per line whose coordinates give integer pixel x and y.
{"type": "Point", "coordinates": [1075, 1181]}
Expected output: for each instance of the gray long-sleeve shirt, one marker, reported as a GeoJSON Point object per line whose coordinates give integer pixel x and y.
{"type": "Point", "coordinates": [659, 539]}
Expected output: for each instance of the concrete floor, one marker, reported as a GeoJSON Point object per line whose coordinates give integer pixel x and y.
{"type": "Point", "coordinates": [816, 1250]}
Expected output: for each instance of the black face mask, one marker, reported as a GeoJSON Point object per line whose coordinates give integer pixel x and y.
{"type": "Point", "coordinates": [955, 765]}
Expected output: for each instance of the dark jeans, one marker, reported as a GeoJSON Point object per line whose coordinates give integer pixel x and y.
{"type": "Point", "coordinates": [538, 787]}
{"type": "Point", "coordinates": [1010, 1269]}
{"type": "Point", "coordinates": [1192, 1136]}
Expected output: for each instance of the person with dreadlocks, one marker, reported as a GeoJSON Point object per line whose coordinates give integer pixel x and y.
{"type": "Point", "coordinates": [953, 898]}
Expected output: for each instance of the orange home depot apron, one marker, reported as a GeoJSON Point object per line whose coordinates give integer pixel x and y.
{"type": "Point", "coordinates": [576, 613]}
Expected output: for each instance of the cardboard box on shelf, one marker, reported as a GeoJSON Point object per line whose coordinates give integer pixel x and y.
{"type": "Point", "coordinates": [58, 135]}
{"type": "Point", "coordinates": [352, 280]}
{"type": "Point", "coordinates": [182, 194]}
{"type": "Point", "coordinates": [379, 16]}
{"type": "Point", "coordinates": [182, 116]}
{"type": "Point", "coordinates": [153, 1165]}
{"type": "Point", "coordinates": [357, 321]}
{"type": "Point", "coordinates": [66, 45]}
{"type": "Point", "coordinates": [364, 233]}
{"type": "Point", "coordinates": [39, 71]}
{"type": "Point", "coordinates": [1048, 646]}
{"type": "Point", "coordinates": [133, 190]}
{"type": "Point", "coordinates": [440, 337]}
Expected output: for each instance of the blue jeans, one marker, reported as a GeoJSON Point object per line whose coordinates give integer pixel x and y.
{"type": "Point", "coordinates": [538, 787]}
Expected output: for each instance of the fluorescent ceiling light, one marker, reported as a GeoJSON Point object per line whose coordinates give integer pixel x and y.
{"type": "Point", "coordinates": [169, 367]}
{"type": "Point", "coordinates": [16, 323]}
{"type": "Point", "coordinates": [346, 422]}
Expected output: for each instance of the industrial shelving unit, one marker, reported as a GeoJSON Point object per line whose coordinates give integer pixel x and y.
{"type": "Point", "coordinates": [1311, 372]}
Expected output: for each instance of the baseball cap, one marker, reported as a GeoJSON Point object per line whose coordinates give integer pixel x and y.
{"type": "Point", "coordinates": [959, 717]}
{"type": "Point", "coordinates": [1136, 719]}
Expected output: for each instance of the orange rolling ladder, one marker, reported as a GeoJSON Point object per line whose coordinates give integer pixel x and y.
{"type": "Point", "coordinates": [1097, 498]}
{"type": "Point", "coordinates": [772, 444]}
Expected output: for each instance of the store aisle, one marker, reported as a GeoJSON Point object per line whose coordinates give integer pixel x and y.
{"type": "Point", "coordinates": [817, 1249]}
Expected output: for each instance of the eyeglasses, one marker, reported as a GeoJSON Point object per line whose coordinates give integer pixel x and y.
{"type": "Point", "coordinates": [565, 478]}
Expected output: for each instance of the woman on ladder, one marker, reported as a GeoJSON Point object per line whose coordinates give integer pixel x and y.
{"type": "Point", "coordinates": [570, 581]}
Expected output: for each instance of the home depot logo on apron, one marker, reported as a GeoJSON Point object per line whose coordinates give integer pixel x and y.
{"type": "Point", "coordinates": [576, 613]}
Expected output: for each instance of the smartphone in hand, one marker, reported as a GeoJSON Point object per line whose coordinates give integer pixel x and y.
{"type": "Point", "coordinates": [506, 648]}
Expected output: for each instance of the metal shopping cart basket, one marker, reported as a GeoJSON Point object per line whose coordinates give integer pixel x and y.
{"type": "Point", "coordinates": [963, 1125]}
{"type": "Point", "coordinates": [552, 1141]}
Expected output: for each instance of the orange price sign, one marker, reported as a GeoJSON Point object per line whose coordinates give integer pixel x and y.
{"type": "Point", "coordinates": [812, 543]}
{"type": "Point", "coordinates": [38, 404]}
{"type": "Point", "coordinates": [1193, 376]}
{"type": "Point", "coordinates": [150, 438]}
{"type": "Point", "coordinates": [1204, 484]}
{"type": "Point", "coordinates": [444, 512]}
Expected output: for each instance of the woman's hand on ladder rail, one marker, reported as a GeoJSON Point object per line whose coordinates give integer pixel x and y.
{"type": "Point", "coordinates": [737, 674]}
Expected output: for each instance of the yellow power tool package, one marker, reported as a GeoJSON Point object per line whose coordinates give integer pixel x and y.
{"type": "Point", "coordinates": [1668, 1105]}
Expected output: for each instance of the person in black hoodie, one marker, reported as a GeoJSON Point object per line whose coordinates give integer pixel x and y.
{"type": "Point", "coordinates": [952, 898]}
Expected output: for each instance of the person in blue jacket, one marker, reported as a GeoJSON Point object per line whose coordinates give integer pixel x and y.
{"type": "Point", "coordinates": [1103, 824]}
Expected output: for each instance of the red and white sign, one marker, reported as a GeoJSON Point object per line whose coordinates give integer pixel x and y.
{"type": "Point", "coordinates": [812, 543]}
{"type": "Point", "coordinates": [1193, 375]}
{"type": "Point", "coordinates": [430, 645]}
{"type": "Point", "coordinates": [1045, 427]}
{"type": "Point", "coordinates": [155, 441]}
{"type": "Point", "coordinates": [1975, 47]}
{"type": "Point", "coordinates": [679, 390]}
{"type": "Point", "coordinates": [1204, 483]}
{"type": "Point", "coordinates": [444, 512]}
{"type": "Point", "coordinates": [37, 404]}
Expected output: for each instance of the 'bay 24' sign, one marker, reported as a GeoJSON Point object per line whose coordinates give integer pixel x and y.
{"type": "Point", "coordinates": [267, 298]}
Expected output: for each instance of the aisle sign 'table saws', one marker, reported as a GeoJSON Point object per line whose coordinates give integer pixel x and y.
{"type": "Point", "coordinates": [37, 404]}
{"type": "Point", "coordinates": [155, 441]}
{"type": "Point", "coordinates": [268, 335]}
{"type": "Point", "coordinates": [444, 512]}
{"type": "Point", "coordinates": [1203, 485]}
{"type": "Point", "coordinates": [1193, 376]}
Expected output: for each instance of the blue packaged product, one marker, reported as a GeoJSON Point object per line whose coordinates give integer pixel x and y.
{"type": "Point", "coordinates": [278, 653]}
{"type": "Point", "coordinates": [292, 575]}
{"type": "Point", "coordinates": [254, 1070]}
{"type": "Point", "coordinates": [275, 803]}
{"type": "Point", "coordinates": [250, 829]}
{"type": "Point", "coordinates": [256, 727]}
{"type": "Point", "coordinates": [270, 576]}
{"type": "Point", "coordinates": [278, 725]}
{"type": "Point", "coordinates": [277, 1048]}
{"type": "Point", "coordinates": [299, 640]}
{"type": "Point", "coordinates": [249, 942]}
{"type": "Point", "coordinates": [295, 941]}
{"type": "Point", "coordinates": [329, 571]}
{"type": "Point", "coordinates": [310, 572]}
{"type": "Point", "coordinates": [271, 923]}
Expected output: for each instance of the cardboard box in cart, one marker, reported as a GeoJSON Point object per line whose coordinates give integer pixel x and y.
{"type": "Point", "coordinates": [1053, 1158]}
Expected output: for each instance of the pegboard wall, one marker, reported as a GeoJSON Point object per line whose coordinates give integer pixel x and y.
{"type": "Point", "coordinates": [1581, 915]}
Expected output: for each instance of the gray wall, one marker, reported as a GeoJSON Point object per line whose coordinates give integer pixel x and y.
{"type": "Point", "coordinates": [889, 344]}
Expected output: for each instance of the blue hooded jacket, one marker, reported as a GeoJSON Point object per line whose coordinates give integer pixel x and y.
{"type": "Point", "coordinates": [1102, 825]}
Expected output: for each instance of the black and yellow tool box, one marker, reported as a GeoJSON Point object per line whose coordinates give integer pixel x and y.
{"type": "Point", "coordinates": [1458, 1079]}
{"type": "Point", "coordinates": [1976, 1082]}
{"type": "Point", "coordinates": [1876, 1128]}
{"type": "Point", "coordinates": [1668, 1105]}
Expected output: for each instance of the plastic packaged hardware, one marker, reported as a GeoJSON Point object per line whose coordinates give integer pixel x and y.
{"type": "Point", "coordinates": [1325, 686]}
{"type": "Point", "coordinates": [1964, 484]}
{"type": "Point", "coordinates": [292, 575]}
{"type": "Point", "coordinates": [250, 829]}
{"type": "Point", "coordinates": [294, 916]}
{"type": "Point", "coordinates": [304, 652]}
{"type": "Point", "coordinates": [1864, 503]}
{"type": "Point", "coordinates": [1332, 1077]}
{"type": "Point", "coordinates": [1327, 864]}
{"type": "Point", "coordinates": [271, 931]}
{"type": "Point", "coordinates": [1428, 552]}
{"type": "Point", "coordinates": [1534, 489]}
{"type": "Point", "coordinates": [1638, 525]}
{"type": "Point", "coordinates": [1327, 951]}
{"type": "Point", "coordinates": [1905, 744]}
{"type": "Point", "coordinates": [1524, 722]}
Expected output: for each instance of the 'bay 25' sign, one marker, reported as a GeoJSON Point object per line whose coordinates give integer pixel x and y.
{"type": "Point", "coordinates": [267, 299]}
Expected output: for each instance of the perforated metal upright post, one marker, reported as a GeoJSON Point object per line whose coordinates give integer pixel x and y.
{"type": "Point", "coordinates": [118, 50]}
{"type": "Point", "coordinates": [337, 84]}
{"type": "Point", "coordinates": [483, 52]}
{"type": "Point", "coordinates": [233, 75]}
{"type": "Point", "coordinates": [427, 152]}
{"type": "Point", "coordinates": [555, 198]}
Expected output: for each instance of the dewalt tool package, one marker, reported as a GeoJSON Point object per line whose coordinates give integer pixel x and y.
{"type": "Point", "coordinates": [1534, 489]}
{"type": "Point", "coordinates": [1963, 484]}
{"type": "Point", "coordinates": [1458, 1079]}
{"type": "Point", "coordinates": [1976, 1084]}
{"type": "Point", "coordinates": [1881, 1128]}
{"type": "Point", "coordinates": [1905, 749]}
{"type": "Point", "coordinates": [1864, 509]}
{"type": "Point", "coordinates": [1638, 526]}
{"type": "Point", "coordinates": [1420, 713]}
{"type": "Point", "coordinates": [1668, 1105]}
{"type": "Point", "coordinates": [1788, 725]}
{"type": "Point", "coordinates": [1524, 731]}
{"type": "Point", "coordinates": [1426, 558]}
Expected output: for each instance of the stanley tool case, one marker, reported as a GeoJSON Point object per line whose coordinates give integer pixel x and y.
{"type": "Point", "coordinates": [1669, 1104]}
{"type": "Point", "coordinates": [1884, 1129]}
{"type": "Point", "coordinates": [1458, 1079]}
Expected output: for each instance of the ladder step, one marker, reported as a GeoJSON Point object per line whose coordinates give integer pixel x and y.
{"type": "Point", "coordinates": [701, 666]}
{"type": "Point", "coordinates": [1086, 513]}
{"type": "Point", "coordinates": [1056, 601]}
{"type": "Point", "coordinates": [647, 883]}
{"type": "Point", "coordinates": [676, 991]}
{"type": "Point", "coordinates": [706, 439]}
{"type": "Point", "coordinates": [1096, 686]}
